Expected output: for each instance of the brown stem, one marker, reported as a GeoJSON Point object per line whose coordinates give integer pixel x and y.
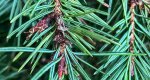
{"type": "Point", "coordinates": [132, 37]}
{"type": "Point", "coordinates": [59, 37]}
{"type": "Point", "coordinates": [61, 68]}
{"type": "Point", "coordinates": [62, 64]}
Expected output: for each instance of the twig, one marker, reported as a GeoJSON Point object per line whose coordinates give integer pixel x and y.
{"type": "Point", "coordinates": [132, 37]}
{"type": "Point", "coordinates": [59, 38]}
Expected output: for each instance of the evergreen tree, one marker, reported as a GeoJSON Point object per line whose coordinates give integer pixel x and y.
{"type": "Point", "coordinates": [75, 39]}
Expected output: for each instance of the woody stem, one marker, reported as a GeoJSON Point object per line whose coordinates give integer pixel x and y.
{"type": "Point", "coordinates": [132, 37]}
{"type": "Point", "coordinates": [59, 37]}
